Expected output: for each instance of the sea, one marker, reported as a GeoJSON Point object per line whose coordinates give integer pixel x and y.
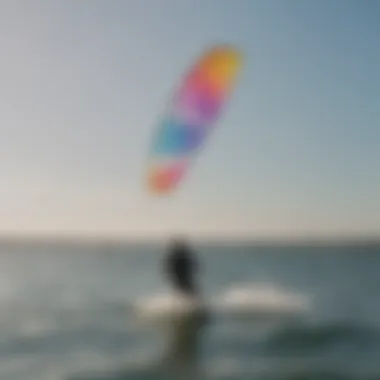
{"type": "Point", "coordinates": [84, 311]}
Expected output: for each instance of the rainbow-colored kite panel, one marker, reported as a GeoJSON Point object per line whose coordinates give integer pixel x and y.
{"type": "Point", "coordinates": [196, 107]}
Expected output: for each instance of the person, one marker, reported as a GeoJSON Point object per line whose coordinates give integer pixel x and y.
{"type": "Point", "coordinates": [181, 266]}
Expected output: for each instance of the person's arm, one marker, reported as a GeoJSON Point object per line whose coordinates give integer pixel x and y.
{"type": "Point", "coordinates": [166, 264]}
{"type": "Point", "coordinates": [195, 262]}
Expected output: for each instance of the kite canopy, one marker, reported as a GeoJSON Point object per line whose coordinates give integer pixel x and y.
{"type": "Point", "coordinates": [194, 110]}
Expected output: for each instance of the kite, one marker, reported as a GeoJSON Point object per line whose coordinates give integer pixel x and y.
{"type": "Point", "coordinates": [193, 112]}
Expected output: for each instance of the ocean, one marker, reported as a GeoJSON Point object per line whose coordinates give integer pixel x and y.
{"type": "Point", "coordinates": [68, 312]}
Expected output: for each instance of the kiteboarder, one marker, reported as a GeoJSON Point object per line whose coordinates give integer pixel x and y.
{"type": "Point", "coordinates": [181, 266]}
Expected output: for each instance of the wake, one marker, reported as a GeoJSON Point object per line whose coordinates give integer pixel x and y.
{"type": "Point", "coordinates": [253, 300]}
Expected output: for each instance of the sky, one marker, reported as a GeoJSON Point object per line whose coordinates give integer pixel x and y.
{"type": "Point", "coordinates": [85, 83]}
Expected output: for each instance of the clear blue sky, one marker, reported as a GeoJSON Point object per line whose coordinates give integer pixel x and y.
{"type": "Point", "coordinates": [84, 84]}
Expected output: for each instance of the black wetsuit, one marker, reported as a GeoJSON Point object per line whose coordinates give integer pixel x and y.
{"type": "Point", "coordinates": [181, 266]}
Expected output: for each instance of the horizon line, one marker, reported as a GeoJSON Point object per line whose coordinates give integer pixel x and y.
{"type": "Point", "coordinates": [14, 238]}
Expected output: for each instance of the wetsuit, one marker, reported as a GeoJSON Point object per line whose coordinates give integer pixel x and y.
{"type": "Point", "coordinates": [181, 266]}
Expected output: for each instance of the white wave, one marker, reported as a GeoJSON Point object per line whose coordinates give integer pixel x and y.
{"type": "Point", "coordinates": [166, 305]}
{"type": "Point", "coordinates": [261, 299]}
{"type": "Point", "coordinates": [255, 300]}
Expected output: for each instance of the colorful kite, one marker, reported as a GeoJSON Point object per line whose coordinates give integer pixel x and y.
{"type": "Point", "coordinates": [195, 108]}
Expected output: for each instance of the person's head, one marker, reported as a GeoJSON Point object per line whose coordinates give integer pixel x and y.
{"type": "Point", "coordinates": [178, 243]}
